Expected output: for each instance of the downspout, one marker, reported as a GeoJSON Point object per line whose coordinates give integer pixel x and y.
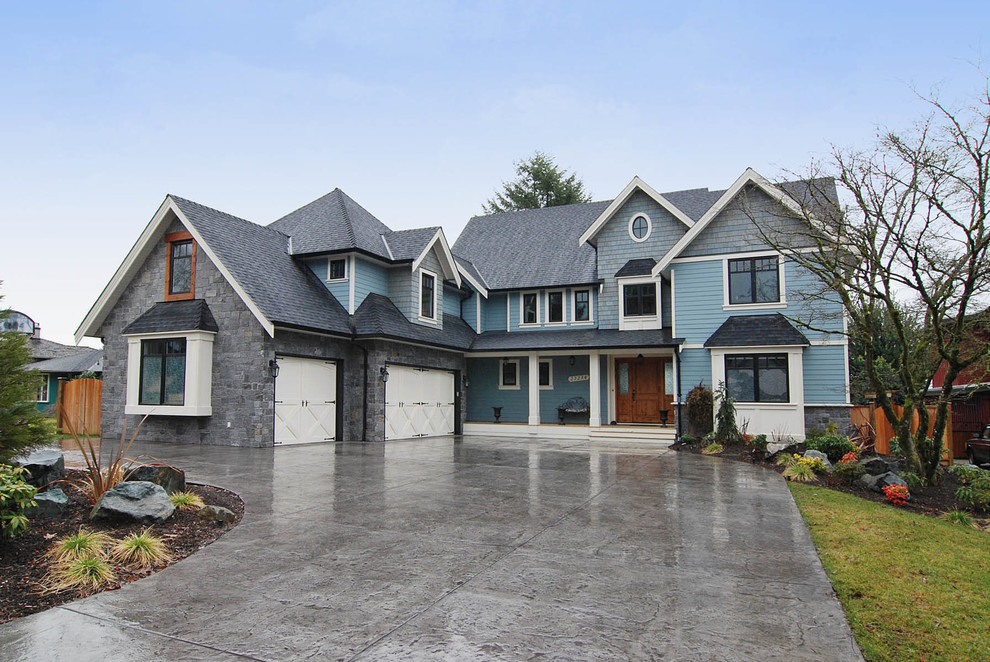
{"type": "Point", "coordinates": [677, 362]}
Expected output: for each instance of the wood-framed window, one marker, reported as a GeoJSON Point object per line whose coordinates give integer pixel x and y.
{"type": "Point", "coordinates": [757, 377]}
{"type": "Point", "coordinates": [180, 267]}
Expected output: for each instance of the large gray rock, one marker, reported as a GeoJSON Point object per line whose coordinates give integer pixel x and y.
{"type": "Point", "coordinates": [172, 479]}
{"type": "Point", "coordinates": [877, 483]}
{"type": "Point", "coordinates": [775, 448]}
{"type": "Point", "coordinates": [44, 466]}
{"type": "Point", "coordinates": [821, 456]}
{"type": "Point", "coordinates": [875, 466]}
{"type": "Point", "coordinates": [217, 514]}
{"type": "Point", "coordinates": [51, 504]}
{"type": "Point", "coordinates": [140, 501]}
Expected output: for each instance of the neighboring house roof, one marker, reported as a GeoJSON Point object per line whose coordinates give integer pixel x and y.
{"type": "Point", "coordinates": [377, 317]}
{"type": "Point", "coordinates": [42, 350]}
{"type": "Point", "coordinates": [756, 331]}
{"type": "Point", "coordinates": [89, 360]}
{"type": "Point", "coordinates": [334, 223]}
{"type": "Point", "coordinates": [531, 248]}
{"type": "Point", "coordinates": [641, 267]}
{"type": "Point", "coordinates": [192, 315]}
{"type": "Point", "coordinates": [498, 341]}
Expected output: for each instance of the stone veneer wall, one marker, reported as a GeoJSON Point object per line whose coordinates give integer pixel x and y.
{"type": "Point", "coordinates": [818, 417]}
{"type": "Point", "coordinates": [381, 352]}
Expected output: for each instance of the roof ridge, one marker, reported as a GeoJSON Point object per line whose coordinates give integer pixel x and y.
{"type": "Point", "coordinates": [348, 223]}
{"type": "Point", "coordinates": [325, 195]}
{"type": "Point", "coordinates": [227, 215]}
{"type": "Point", "coordinates": [538, 209]}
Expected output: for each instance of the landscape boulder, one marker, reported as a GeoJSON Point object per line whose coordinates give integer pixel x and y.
{"type": "Point", "coordinates": [821, 456]}
{"type": "Point", "coordinates": [44, 466]}
{"type": "Point", "coordinates": [877, 483]}
{"type": "Point", "coordinates": [775, 448]}
{"type": "Point", "coordinates": [140, 501]}
{"type": "Point", "coordinates": [51, 504]}
{"type": "Point", "coordinates": [875, 466]}
{"type": "Point", "coordinates": [172, 479]}
{"type": "Point", "coordinates": [217, 514]}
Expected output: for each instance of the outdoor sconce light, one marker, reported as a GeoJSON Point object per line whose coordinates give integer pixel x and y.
{"type": "Point", "coordinates": [571, 360]}
{"type": "Point", "coordinates": [639, 359]}
{"type": "Point", "coordinates": [465, 382]}
{"type": "Point", "coordinates": [273, 368]}
{"type": "Point", "coordinates": [384, 373]}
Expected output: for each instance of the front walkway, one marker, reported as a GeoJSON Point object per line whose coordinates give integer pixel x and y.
{"type": "Point", "coordinates": [480, 548]}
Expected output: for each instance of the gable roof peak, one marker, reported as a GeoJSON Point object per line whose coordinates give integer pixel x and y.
{"type": "Point", "coordinates": [634, 185]}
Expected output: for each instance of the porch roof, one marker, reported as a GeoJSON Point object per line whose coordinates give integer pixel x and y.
{"type": "Point", "coordinates": [497, 341]}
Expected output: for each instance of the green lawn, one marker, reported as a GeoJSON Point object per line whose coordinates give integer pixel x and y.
{"type": "Point", "coordinates": [913, 587]}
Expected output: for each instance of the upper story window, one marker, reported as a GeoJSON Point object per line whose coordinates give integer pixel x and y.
{"type": "Point", "coordinates": [163, 372]}
{"type": "Point", "coordinates": [337, 269]}
{"type": "Point", "coordinates": [639, 300]}
{"type": "Point", "coordinates": [754, 280]}
{"type": "Point", "coordinates": [530, 313]}
{"type": "Point", "coordinates": [555, 307]}
{"type": "Point", "coordinates": [180, 268]}
{"type": "Point", "coordinates": [428, 295]}
{"type": "Point", "coordinates": [640, 227]}
{"type": "Point", "coordinates": [582, 305]}
{"type": "Point", "coordinates": [757, 377]}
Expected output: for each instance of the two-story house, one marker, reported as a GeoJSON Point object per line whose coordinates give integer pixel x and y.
{"type": "Point", "coordinates": [326, 324]}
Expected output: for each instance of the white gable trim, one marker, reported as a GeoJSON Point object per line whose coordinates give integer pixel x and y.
{"type": "Point", "coordinates": [450, 270]}
{"type": "Point", "coordinates": [636, 184]}
{"type": "Point", "coordinates": [750, 176]}
{"type": "Point", "coordinates": [145, 244]}
{"type": "Point", "coordinates": [470, 279]}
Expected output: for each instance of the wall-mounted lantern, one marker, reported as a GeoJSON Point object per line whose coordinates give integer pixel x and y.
{"type": "Point", "coordinates": [383, 371]}
{"type": "Point", "coordinates": [273, 368]}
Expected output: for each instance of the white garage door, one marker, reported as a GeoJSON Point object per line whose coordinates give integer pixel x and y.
{"type": "Point", "coordinates": [305, 401]}
{"type": "Point", "coordinates": [418, 402]}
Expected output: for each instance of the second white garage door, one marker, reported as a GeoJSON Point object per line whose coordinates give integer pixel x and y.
{"type": "Point", "coordinates": [305, 401]}
{"type": "Point", "coordinates": [418, 402]}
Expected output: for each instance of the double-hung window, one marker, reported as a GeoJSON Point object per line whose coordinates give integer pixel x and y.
{"type": "Point", "coordinates": [163, 372]}
{"type": "Point", "coordinates": [757, 377]}
{"type": "Point", "coordinates": [754, 280]}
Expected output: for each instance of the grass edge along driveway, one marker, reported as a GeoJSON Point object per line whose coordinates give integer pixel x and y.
{"type": "Point", "coordinates": [913, 587]}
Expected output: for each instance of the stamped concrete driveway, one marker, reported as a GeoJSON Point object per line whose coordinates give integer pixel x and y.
{"type": "Point", "coordinates": [473, 549]}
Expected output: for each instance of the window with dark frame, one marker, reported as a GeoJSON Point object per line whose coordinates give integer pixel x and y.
{"type": "Point", "coordinates": [530, 308]}
{"type": "Point", "coordinates": [639, 300]}
{"type": "Point", "coordinates": [180, 267]}
{"type": "Point", "coordinates": [545, 373]}
{"type": "Point", "coordinates": [757, 377]}
{"type": "Point", "coordinates": [338, 270]}
{"type": "Point", "coordinates": [163, 372]}
{"type": "Point", "coordinates": [510, 373]}
{"type": "Point", "coordinates": [427, 303]}
{"type": "Point", "coordinates": [582, 305]}
{"type": "Point", "coordinates": [555, 307]}
{"type": "Point", "coordinates": [754, 280]}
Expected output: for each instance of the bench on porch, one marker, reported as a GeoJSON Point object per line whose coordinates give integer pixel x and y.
{"type": "Point", "coordinates": [577, 405]}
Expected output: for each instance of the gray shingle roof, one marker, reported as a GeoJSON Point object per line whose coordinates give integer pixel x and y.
{"type": "Point", "coordinates": [409, 244]}
{"type": "Point", "coordinates": [469, 267]}
{"type": "Point", "coordinates": [693, 202]}
{"type": "Point", "coordinates": [532, 248]}
{"type": "Point", "coordinates": [377, 317]}
{"type": "Point", "coordinates": [641, 267]}
{"type": "Point", "coordinates": [333, 223]}
{"type": "Point", "coordinates": [192, 315]}
{"type": "Point", "coordinates": [42, 350]}
{"type": "Point", "coordinates": [84, 361]}
{"type": "Point", "coordinates": [756, 331]}
{"type": "Point", "coordinates": [257, 257]}
{"type": "Point", "coordinates": [496, 341]}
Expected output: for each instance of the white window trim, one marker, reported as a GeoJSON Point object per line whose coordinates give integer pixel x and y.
{"type": "Point", "coordinates": [754, 306]}
{"type": "Point", "coordinates": [510, 387]}
{"type": "Point", "coordinates": [639, 322]}
{"type": "Point", "coordinates": [649, 227]}
{"type": "Point", "coordinates": [522, 309]}
{"type": "Point", "coordinates": [563, 308]}
{"type": "Point", "coordinates": [45, 385]}
{"type": "Point", "coordinates": [591, 306]}
{"type": "Point", "coordinates": [347, 270]}
{"type": "Point", "coordinates": [419, 296]}
{"type": "Point", "coordinates": [199, 375]}
{"type": "Point", "coordinates": [547, 387]}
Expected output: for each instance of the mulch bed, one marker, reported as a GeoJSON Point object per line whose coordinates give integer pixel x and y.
{"type": "Point", "coordinates": [933, 501]}
{"type": "Point", "coordinates": [23, 566]}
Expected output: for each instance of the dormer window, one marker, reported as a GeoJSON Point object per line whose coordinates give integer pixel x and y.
{"type": "Point", "coordinates": [180, 267]}
{"type": "Point", "coordinates": [427, 296]}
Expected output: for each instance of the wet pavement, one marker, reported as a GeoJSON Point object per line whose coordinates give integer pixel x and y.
{"type": "Point", "coordinates": [473, 549]}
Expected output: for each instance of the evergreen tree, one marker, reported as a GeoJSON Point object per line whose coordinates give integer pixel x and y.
{"type": "Point", "coordinates": [539, 183]}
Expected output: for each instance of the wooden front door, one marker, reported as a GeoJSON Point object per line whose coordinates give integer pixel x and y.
{"type": "Point", "coordinates": [640, 392]}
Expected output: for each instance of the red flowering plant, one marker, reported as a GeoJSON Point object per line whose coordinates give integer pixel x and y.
{"type": "Point", "coordinates": [896, 494]}
{"type": "Point", "coordinates": [849, 458]}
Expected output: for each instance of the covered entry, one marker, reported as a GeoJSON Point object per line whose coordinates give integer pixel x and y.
{"type": "Point", "coordinates": [644, 389]}
{"type": "Point", "coordinates": [419, 402]}
{"type": "Point", "coordinates": [305, 401]}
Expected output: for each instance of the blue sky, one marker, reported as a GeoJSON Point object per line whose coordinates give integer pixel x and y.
{"type": "Point", "coordinates": [418, 109]}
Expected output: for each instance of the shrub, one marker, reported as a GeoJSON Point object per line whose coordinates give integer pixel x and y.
{"type": "Point", "coordinates": [815, 463]}
{"type": "Point", "coordinates": [16, 496]}
{"type": "Point", "coordinates": [759, 442]}
{"type": "Point", "coordinates": [960, 517]}
{"type": "Point", "coordinates": [913, 480]}
{"type": "Point", "coordinates": [850, 470]}
{"type": "Point", "coordinates": [713, 448]}
{"type": "Point", "coordinates": [800, 472]}
{"type": "Point", "coordinates": [833, 445]}
{"type": "Point", "coordinates": [896, 494]}
{"type": "Point", "coordinates": [849, 458]}
{"type": "Point", "coordinates": [785, 460]}
{"type": "Point", "coordinates": [141, 550]}
{"type": "Point", "coordinates": [726, 429]}
{"type": "Point", "coordinates": [700, 405]}
{"type": "Point", "coordinates": [82, 573]}
{"type": "Point", "coordinates": [967, 475]}
{"type": "Point", "coordinates": [186, 500]}
{"type": "Point", "coordinates": [974, 496]}
{"type": "Point", "coordinates": [80, 545]}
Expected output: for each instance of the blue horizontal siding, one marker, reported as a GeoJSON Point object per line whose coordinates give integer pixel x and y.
{"type": "Point", "coordinates": [564, 390]}
{"type": "Point", "coordinates": [370, 279]}
{"type": "Point", "coordinates": [825, 374]}
{"type": "Point", "coordinates": [451, 301]}
{"type": "Point", "coordinates": [469, 310]}
{"type": "Point", "coordinates": [493, 312]}
{"type": "Point", "coordinates": [484, 393]}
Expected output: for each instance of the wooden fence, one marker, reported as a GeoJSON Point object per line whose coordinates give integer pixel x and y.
{"type": "Point", "coordinates": [872, 422]}
{"type": "Point", "coordinates": [78, 406]}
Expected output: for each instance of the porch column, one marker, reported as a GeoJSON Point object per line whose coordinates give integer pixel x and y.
{"type": "Point", "coordinates": [594, 390]}
{"type": "Point", "coordinates": [534, 389]}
